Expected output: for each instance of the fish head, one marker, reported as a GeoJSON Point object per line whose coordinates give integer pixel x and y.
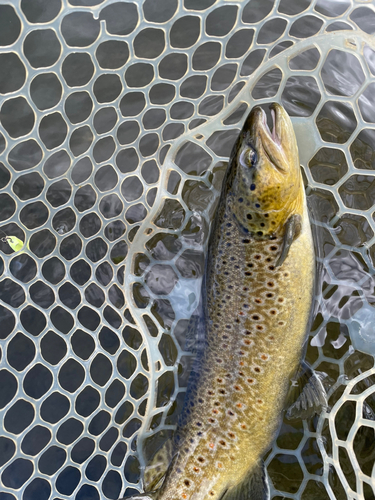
{"type": "Point", "coordinates": [266, 180]}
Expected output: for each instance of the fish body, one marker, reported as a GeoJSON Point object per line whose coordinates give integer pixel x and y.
{"type": "Point", "coordinates": [257, 299]}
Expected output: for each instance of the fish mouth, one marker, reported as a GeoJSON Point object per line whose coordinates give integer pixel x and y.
{"type": "Point", "coordinates": [265, 140]}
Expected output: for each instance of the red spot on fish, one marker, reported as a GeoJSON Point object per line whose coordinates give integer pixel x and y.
{"type": "Point", "coordinates": [264, 357]}
{"type": "Point", "coordinates": [184, 495]}
{"type": "Point", "coordinates": [239, 405]}
{"type": "Point", "coordinates": [243, 426]}
{"type": "Point", "coordinates": [237, 387]}
{"type": "Point", "coordinates": [211, 445]}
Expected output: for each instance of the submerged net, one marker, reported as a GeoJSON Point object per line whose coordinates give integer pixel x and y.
{"type": "Point", "coordinates": [117, 120]}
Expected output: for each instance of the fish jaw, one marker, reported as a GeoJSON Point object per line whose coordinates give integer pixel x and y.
{"type": "Point", "coordinates": [265, 178]}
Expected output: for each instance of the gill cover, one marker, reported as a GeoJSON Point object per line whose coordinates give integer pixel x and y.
{"type": "Point", "coordinates": [265, 179]}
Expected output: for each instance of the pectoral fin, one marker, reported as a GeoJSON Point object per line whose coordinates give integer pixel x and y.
{"type": "Point", "coordinates": [312, 397]}
{"type": "Point", "coordinates": [293, 228]}
{"type": "Point", "coordinates": [253, 487]}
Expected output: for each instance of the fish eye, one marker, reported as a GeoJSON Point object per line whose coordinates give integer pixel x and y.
{"type": "Point", "coordinates": [251, 157]}
{"type": "Point", "coordinates": [248, 157]}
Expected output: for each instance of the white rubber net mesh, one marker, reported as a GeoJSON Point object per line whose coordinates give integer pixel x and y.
{"type": "Point", "coordinates": [117, 120]}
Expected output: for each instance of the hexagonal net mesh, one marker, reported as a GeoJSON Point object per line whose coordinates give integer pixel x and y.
{"type": "Point", "coordinates": [117, 120]}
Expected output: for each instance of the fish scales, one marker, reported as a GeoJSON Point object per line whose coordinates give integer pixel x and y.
{"type": "Point", "coordinates": [257, 300]}
{"type": "Point", "coordinates": [248, 362]}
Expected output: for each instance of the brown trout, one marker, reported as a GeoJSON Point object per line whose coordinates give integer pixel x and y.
{"type": "Point", "coordinates": [257, 300]}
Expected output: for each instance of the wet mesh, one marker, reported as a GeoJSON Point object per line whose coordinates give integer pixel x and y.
{"type": "Point", "coordinates": [117, 120]}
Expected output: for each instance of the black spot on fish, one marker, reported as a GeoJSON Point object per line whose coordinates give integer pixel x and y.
{"type": "Point", "coordinates": [252, 187]}
{"type": "Point", "coordinates": [257, 205]}
{"type": "Point", "coordinates": [240, 200]}
{"type": "Point", "coordinates": [249, 216]}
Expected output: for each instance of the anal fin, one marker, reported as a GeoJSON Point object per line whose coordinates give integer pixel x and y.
{"type": "Point", "coordinates": [311, 397]}
{"type": "Point", "coordinates": [141, 496]}
{"type": "Point", "coordinates": [157, 468]}
{"type": "Point", "coordinates": [253, 487]}
{"type": "Point", "coordinates": [293, 227]}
